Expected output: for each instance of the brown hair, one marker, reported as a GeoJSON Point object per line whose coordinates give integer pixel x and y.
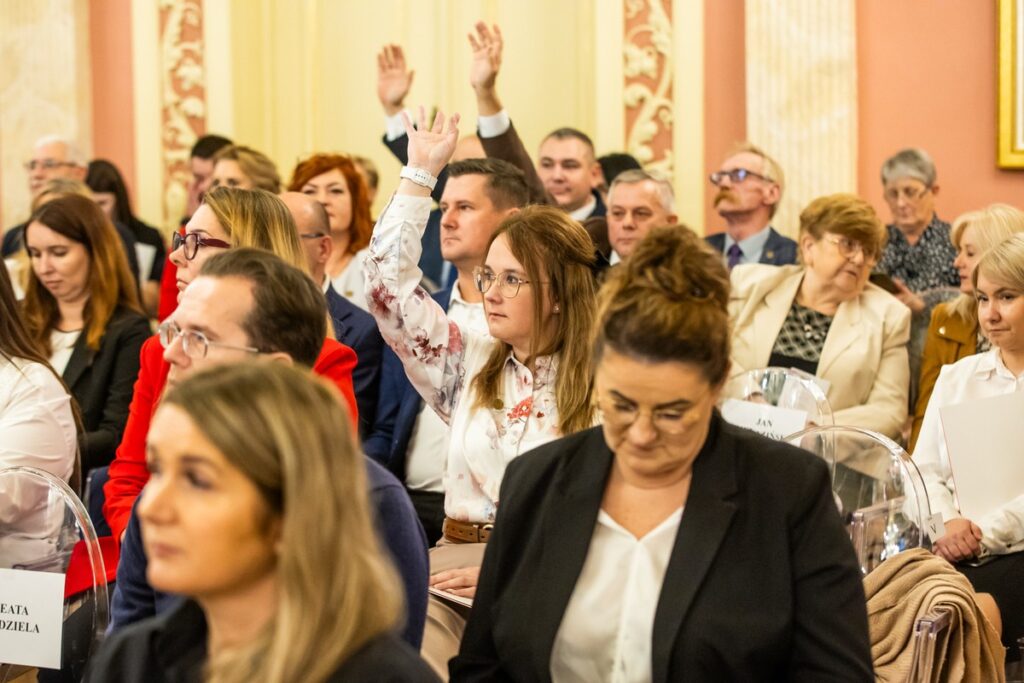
{"type": "Point", "coordinates": [362, 225]}
{"type": "Point", "coordinates": [257, 165]}
{"type": "Point", "coordinates": [289, 434]}
{"type": "Point", "coordinates": [506, 185]}
{"type": "Point", "coordinates": [111, 285]}
{"type": "Point", "coordinates": [668, 302]}
{"type": "Point", "coordinates": [554, 248]}
{"type": "Point", "coordinates": [846, 215]}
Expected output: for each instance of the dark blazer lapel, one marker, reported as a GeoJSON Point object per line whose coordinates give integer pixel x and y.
{"type": "Point", "coordinates": [706, 518]}
{"type": "Point", "coordinates": [568, 526]}
{"type": "Point", "coordinates": [80, 360]}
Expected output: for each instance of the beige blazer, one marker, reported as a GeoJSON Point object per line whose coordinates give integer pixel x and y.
{"type": "Point", "coordinates": [864, 357]}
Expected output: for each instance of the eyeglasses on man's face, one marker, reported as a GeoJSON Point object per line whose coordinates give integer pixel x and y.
{"type": "Point", "coordinates": [46, 164]}
{"type": "Point", "coordinates": [194, 344]}
{"type": "Point", "coordinates": [508, 281]}
{"type": "Point", "coordinates": [192, 241]}
{"type": "Point", "coordinates": [736, 175]}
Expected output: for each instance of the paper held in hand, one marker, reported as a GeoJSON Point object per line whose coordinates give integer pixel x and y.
{"type": "Point", "coordinates": [767, 420]}
{"type": "Point", "coordinates": [984, 440]}
{"type": "Point", "coordinates": [31, 617]}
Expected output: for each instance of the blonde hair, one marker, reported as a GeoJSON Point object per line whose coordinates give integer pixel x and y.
{"type": "Point", "coordinates": [553, 248]}
{"type": "Point", "coordinates": [257, 218]}
{"type": "Point", "coordinates": [668, 302]}
{"type": "Point", "coordinates": [989, 226]}
{"type": "Point", "coordinates": [289, 433]}
{"type": "Point", "coordinates": [1003, 263]}
{"type": "Point", "coordinates": [260, 169]}
{"type": "Point", "coordinates": [55, 188]}
{"type": "Point", "coordinates": [846, 215]}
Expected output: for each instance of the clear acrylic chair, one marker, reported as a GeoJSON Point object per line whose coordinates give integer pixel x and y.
{"type": "Point", "coordinates": [44, 527]}
{"type": "Point", "coordinates": [877, 488]}
{"type": "Point", "coordinates": [786, 388]}
{"type": "Point", "coordinates": [930, 635]}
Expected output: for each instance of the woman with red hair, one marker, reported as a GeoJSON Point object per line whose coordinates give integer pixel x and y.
{"type": "Point", "coordinates": [335, 182]}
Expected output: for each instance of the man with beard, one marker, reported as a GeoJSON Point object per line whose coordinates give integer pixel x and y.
{"type": "Point", "coordinates": [749, 190]}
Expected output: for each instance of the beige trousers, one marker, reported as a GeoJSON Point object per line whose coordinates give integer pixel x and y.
{"type": "Point", "coordinates": [446, 621]}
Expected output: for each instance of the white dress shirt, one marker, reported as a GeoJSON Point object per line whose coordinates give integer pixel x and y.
{"type": "Point", "coordinates": [606, 632]}
{"type": "Point", "coordinates": [979, 376]}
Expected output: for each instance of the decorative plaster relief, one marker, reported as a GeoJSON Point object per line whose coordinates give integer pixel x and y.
{"type": "Point", "coordinates": [647, 93]}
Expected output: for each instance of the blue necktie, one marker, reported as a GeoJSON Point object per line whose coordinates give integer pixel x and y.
{"type": "Point", "coordinates": [735, 254]}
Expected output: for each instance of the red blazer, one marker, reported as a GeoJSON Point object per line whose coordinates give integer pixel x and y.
{"type": "Point", "coordinates": [128, 471]}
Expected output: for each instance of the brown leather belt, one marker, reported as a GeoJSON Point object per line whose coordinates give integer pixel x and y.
{"type": "Point", "coordinates": [465, 532]}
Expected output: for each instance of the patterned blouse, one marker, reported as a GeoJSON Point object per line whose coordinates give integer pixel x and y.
{"type": "Point", "coordinates": [925, 265]}
{"type": "Point", "coordinates": [441, 360]}
{"type": "Point", "coordinates": [801, 339]}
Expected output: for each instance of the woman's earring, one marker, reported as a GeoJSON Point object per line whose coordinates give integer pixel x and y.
{"type": "Point", "coordinates": [556, 309]}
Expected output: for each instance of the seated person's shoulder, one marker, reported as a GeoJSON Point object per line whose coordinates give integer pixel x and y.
{"type": "Point", "coordinates": [747, 277]}
{"type": "Point", "coordinates": [385, 659]}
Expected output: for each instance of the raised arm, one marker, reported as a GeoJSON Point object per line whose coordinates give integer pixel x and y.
{"type": "Point", "coordinates": [411, 322]}
{"type": "Point", "coordinates": [497, 134]}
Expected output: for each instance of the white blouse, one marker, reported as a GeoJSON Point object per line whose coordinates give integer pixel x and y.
{"type": "Point", "coordinates": [608, 626]}
{"type": "Point", "coordinates": [441, 359]}
{"type": "Point", "coordinates": [62, 345]}
{"type": "Point", "coordinates": [349, 282]}
{"type": "Point", "coordinates": [975, 377]}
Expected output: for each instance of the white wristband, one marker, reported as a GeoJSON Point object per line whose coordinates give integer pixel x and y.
{"type": "Point", "coordinates": [419, 176]}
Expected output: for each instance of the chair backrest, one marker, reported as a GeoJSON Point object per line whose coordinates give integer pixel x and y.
{"type": "Point", "coordinates": [784, 388]}
{"type": "Point", "coordinates": [44, 527]}
{"type": "Point", "coordinates": [930, 635]}
{"type": "Point", "coordinates": [877, 488]}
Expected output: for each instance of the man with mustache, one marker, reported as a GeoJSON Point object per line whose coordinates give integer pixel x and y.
{"type": "Point", "coordinates": [750, 186]}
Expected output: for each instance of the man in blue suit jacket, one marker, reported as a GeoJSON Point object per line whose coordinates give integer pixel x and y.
{"type": "Point", "coordinates": [353, 327]}
{"type": "Point", "coordinates": [750, 185]}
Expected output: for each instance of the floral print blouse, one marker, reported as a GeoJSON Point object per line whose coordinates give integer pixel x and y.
{"type": "Point", "coordinates": [441, 360]}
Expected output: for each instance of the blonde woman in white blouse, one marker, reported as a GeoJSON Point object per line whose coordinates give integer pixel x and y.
{"type": "Point", "coordinates": [501, 396]}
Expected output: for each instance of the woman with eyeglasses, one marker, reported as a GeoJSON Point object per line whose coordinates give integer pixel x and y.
{"type": "Point", "coordinates": [526, 384]}
{"type": "Point", "coordinates": [82, 309]}
{"type": "Point", "coordinates": [825, 318]}
{"type": "Point", "coordinates": [666, 544]}
{"type": "Point", "coordinates": [227, 219]}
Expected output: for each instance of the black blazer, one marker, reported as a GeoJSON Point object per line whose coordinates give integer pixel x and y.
{"type": "Point", "coordinates": [779, 250]}
{"type": "Point", "coordinates": [762, 584]}
{"type": "Point", "coordinates": [171, 648]}
{"type": "Point", "coordinates": [102, 381]}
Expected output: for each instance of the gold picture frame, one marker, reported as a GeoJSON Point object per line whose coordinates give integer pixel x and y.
{"type": "Point", "coordinates": [1010, 145]}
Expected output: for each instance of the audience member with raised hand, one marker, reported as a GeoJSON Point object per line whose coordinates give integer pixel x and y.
{"type": "Point", "coordinates": [229, 218]}
{"type": "Point", "coordinates": [526, 385]}
{"type": "Point", "coordinates": [825, 318]}
{"type": "Point", "coordinates": [37, 420]}
{"type": "Point", "coordinates": [954, 331]}
{"type": "Point", "coordinates": [244, 168]}
{"type": "Point", "coordinates": [567, 174]}
{"type": "Point", "coordinates": [111, 194]}
{"type": "Point", "coordinates": [257, 511]}
{"type": "Point", "coordinates": [628, 552]}
{"type": "Point", "coordinates": [81, 308]}
{"type": "Point", "coordinates": [335, 182]}
{"type": "Point", "coordinates": [998, 286]}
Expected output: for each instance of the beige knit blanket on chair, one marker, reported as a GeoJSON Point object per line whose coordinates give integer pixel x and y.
{"type": "Point", "coordinates": [905, 588]}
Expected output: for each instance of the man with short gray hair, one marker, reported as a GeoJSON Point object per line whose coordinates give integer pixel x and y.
{"type": "Point", "coordinates": [638, 200]}
{"type": "Point", "coordinates": [919, 255]}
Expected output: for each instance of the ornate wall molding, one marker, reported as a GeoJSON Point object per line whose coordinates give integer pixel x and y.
{"type": "Point", "coordinates": [648, 78]}
{"type": "Point", "coordinates": [183, 97]}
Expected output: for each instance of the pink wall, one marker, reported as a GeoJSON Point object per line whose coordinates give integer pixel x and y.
{"type": "Point", "coordinates": [927, 75]}
{"type": "Point", "coordinates": [113, 116]}
{"type": "Point", "coordinates": [725, 98]}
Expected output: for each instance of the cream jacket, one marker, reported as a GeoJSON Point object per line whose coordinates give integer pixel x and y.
{"type": "Point", "coordinates": [865, 354]}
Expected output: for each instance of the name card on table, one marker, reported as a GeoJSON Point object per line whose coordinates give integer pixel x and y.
{"type": "Point", "coordinates": [767, 420]}
{"type": "Point", "coordinates": [31, 617]}
{"type": "Point", "coordinates": [983, 439]}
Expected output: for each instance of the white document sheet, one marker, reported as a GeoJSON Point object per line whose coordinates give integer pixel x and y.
{"type": "Point", "coordinates": [31, 617]}
{"type": "Point", "coordinates": [767, 420]}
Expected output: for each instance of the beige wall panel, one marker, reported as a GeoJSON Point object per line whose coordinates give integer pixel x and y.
{"type": "Point", "coordinates": [802, 96]}
{"type": "Point", "coordinates": [45, 87]}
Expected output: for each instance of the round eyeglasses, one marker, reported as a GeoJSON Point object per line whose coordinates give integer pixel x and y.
{"type": "Point", "coordinates": [194, 344]}
{"type": "Point", "coordinates": [508, 282]}
{"type": "Point", "coordinates": [192, 241]}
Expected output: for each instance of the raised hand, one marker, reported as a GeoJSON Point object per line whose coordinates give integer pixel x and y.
{"type": "Point", "coordinates": [487, 46]}
{"type": "Point", "coordinates": [431, 148]}
{"type": "Point", "coordinates": [393, 78]}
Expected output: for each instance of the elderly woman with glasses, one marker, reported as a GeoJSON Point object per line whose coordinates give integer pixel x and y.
{"type": "Point", "coordinates": [825, 318]}
{"type": "Point", "coordinates": [228, 218]}
{"type": "Point", "coordinates": [666, 544]}
{"type": "Point", "coordinates": [500, 395]}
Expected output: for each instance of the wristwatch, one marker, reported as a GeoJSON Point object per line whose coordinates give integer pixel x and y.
{"type": "Point", "coordinates": [419, 176]}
